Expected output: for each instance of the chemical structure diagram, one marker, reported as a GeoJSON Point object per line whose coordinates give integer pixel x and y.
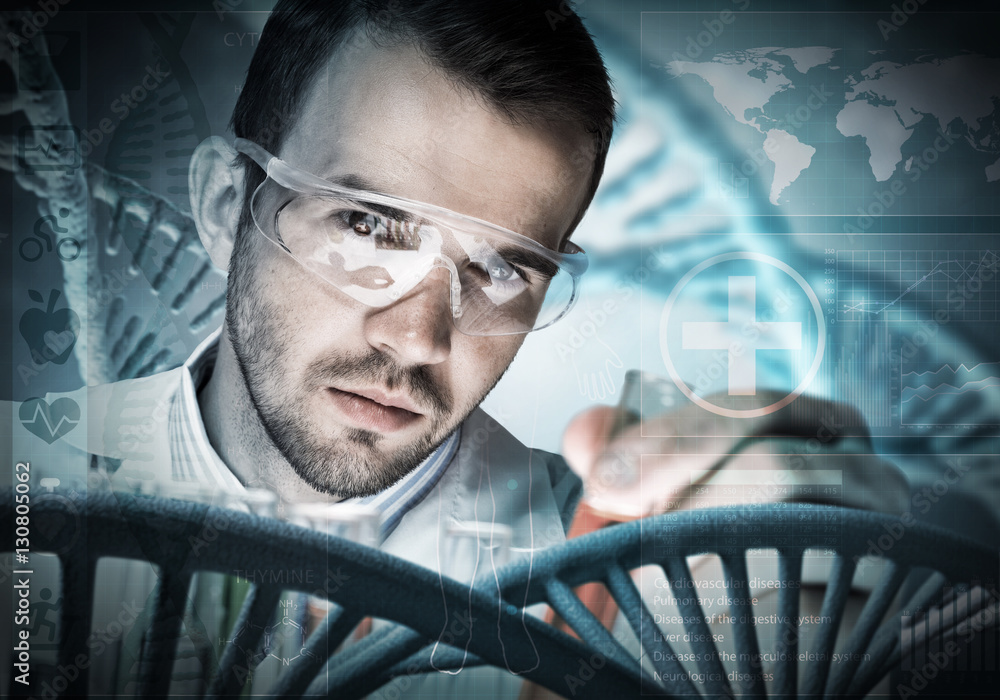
{"type": "Point", "coordinates": [284, 640]}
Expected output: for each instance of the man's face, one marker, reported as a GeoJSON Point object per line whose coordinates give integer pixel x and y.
{"type": "Point", "coordinates": [354, 396]}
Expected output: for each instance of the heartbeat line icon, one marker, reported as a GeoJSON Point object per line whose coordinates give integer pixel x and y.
{"type": "Point", "coordinates": [48, 150]}
{"type": "Point", "coordinates": [49, 421]}
{"type": "Point", "coordinates": [45, 148]}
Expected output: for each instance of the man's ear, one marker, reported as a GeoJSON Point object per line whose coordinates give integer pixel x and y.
{"type": "Point", "coordinates": [216, 187]}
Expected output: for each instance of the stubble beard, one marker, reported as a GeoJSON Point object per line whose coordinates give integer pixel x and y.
{"type": "Point", "coordinates": [352, 464]}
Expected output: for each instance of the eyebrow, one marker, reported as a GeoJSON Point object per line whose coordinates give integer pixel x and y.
{"type": "Point", "coordinates": [388, 212]}
{"type": "Point", "coordinates": [354, 182]}
{"type": "Point", "coordinates": [359, 182]}
{"type": "Point", "coordinates": [512, 254]}
{"type": "Point", "coordinates": [526, 258]}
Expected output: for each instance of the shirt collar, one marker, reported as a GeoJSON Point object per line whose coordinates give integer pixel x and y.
{"type": "Point", "coordinates": [195, 460]}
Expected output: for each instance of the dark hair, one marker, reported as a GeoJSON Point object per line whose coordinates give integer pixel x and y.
{"type": "Point", "coordinates": [531, 60]}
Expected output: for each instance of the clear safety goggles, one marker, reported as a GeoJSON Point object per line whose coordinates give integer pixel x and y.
{"type": "Point", "coordinates": [375, 248]}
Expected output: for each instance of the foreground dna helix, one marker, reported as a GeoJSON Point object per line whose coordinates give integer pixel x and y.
{"type": "Point", "coordinates": [419, 604]}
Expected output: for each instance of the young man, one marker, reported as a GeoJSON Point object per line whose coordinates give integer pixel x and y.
{"type": "Point", "coordinates": [388, 245]}
{"type": "Point", "coordinates": [351, 353]}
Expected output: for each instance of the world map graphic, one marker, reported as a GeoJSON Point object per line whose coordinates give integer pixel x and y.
{"type": "Point", "coordinates": [889, 102]}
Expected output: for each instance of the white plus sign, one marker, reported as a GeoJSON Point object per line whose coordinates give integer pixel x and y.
{"type": "Point", "coordinates": [725, 335]}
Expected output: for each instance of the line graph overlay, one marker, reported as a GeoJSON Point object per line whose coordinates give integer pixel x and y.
{"type": "Point", "coordinates": [907, 285]}
{"type": "Point", "coordinates": [39, 419]}
{"type": "Point", "coordinates": [976, 384]}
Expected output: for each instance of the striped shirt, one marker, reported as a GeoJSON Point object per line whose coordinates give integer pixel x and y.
{"type": "Point", "coordinates": [194, 460]}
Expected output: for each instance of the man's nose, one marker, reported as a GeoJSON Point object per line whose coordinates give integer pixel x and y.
{"type": "Point", "coordinates": [417, 329]}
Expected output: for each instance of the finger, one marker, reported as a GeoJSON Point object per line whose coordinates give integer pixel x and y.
{"type": "Point", "coordinates": [586, 438]}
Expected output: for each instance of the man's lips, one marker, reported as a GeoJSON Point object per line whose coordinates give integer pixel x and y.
{"type": "Point", "coordinates": [390, 400]}
{"type": "Point", "coordinates": [371, 409]}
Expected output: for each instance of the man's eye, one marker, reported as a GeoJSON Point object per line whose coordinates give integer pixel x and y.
{"type": "Point", "coordinates": [362, 222]}
{"type": "Point", "coordinates": [498, 270]}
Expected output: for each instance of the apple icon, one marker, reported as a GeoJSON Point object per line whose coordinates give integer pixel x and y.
{"type": "Point", "coordinates": [50, 334]}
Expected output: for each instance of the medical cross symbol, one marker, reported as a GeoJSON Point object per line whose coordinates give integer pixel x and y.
{"type": "Point", "coordinates": [725, 335]}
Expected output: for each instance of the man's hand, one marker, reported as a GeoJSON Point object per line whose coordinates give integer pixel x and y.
{"type": "Point", "coordinates": [659, 465]}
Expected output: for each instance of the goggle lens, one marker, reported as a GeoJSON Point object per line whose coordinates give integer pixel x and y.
{"type": "Point", "coordinates": [377, 253]}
